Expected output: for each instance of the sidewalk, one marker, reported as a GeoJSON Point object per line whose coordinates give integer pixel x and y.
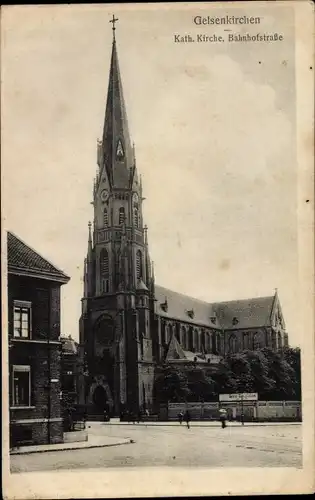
{"type": "Point", "coordinates": [93, 442]}
{"type": "Point", "coordinates": [193, 423]}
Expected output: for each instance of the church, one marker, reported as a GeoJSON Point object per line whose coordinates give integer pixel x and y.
{"type": "Point", "coordinates": [129, 325]}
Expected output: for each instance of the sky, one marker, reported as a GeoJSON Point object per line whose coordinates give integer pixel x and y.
{"type": "Point", "coordinates": [214, 132]}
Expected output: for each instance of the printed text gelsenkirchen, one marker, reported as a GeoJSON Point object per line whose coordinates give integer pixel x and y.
{"type": "Point", "coordinates": [199, 20]}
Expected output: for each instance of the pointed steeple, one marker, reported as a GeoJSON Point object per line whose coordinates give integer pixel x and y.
{"type": "Point", "coordinates": [117, 152]}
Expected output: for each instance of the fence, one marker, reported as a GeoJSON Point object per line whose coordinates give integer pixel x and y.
{"type": "Point", "coordinates": [252, 410]}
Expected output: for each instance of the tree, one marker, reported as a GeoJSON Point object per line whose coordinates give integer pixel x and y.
{"type": "Point", "coordinates": [201, 385]}
{"type": "Point", "coordinates": [240, 368]}
{"type": "Point", "coordinates": [171, 385]}
{"type": "Point", "coordinates": [292, 356]}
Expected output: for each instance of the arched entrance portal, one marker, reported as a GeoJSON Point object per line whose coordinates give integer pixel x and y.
{"type": "Point", "coordinates": [100, 398]}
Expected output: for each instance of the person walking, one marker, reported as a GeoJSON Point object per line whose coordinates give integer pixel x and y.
{"type": "Point", "coordinates": [180, 417]}
{"type": "Point", "coordinates": [187, 419]}
{"type": "Point", "coordinates": [223, 417]}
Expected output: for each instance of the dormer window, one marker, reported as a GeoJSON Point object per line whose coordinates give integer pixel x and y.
{"type": "Point", "coordinates": [234, 321]}
{"type": "Point", "coordinates": [191, 313]}
{"type": "Point", "coordinates": [164, 305]}
{"type": "Point", "coordinates": [213, 319]}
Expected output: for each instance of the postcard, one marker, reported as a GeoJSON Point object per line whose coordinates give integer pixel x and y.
{"type": "Point", "coordinates": [157, 264]}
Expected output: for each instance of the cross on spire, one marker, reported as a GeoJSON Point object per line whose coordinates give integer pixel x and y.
{"type": "Point", "coordinates": [114, 20]}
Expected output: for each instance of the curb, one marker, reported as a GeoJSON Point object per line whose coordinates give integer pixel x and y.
{"type": "Point", "coordinates": [142, 424]}
{"type": "Point", "coordinates": [67, 448]}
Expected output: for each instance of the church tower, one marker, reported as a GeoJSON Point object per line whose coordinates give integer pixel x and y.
{"type": "Point", "coordinates": [118, 296]}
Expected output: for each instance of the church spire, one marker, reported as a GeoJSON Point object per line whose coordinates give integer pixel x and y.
{"type": "Point", "coordinates": [117, 153]}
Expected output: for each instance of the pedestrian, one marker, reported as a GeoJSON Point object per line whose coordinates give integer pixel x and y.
{"type": "Point", "coordinates": [242, 418]}
{"type": "Point", "coordinates": [223, 417]}
{"type": "Point", "coordinates": [187, 419]}
{"type": "Point", "coordinates": [180, 417]}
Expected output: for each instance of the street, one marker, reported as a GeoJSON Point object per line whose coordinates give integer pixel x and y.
{"type": "Point", "coordinates": [175, 445]}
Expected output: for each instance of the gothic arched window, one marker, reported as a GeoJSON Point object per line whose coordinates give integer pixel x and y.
{"type": "Point", "coordinates": [220, 344]}
{"type": "Point", "coordinates": [195, 337]}
{"type": "Point", "coordinates": [105, 217]}
{"type": "Point", "coordinates": [232, 344]}
{"type": "Point", "coordinates": [246, 341]}
{"type": "Point", "coordinates": [203, 341]}
{"type": "Point", "coordinates": [186, 339]}
{"type": "Point", "coordinates": [104, 263]}
{"type": "Point", "coordinates": [208, 342]}
{"type": "Point", "coordinates": [190, 339]}
{"type": "Point", "coordinates": [135, 217]}
{"type": "Point", "coordinates": [182, 336]}
{"type": "Point", "coordinates": [256, 341]}
{"type": "Point", "coordinates": [279, 341]}
{"type": "Point", "coordinates": [139, 264]}
{"type": "Point", "coordinates": [177, 332]}
{"type": "Point", "coordinates": [169, 331]}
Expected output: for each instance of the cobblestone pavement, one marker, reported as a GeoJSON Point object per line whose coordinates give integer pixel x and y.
{"type": "Point", "coordinates": [205, 446]}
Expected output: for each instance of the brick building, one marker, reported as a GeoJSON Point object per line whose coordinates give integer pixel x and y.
{"type": "Point", "coordinates": [129, 325]}
{"type": "Point", "coordinates": [34, 346]}
{"type": "Point", "coordinates": [72, 371]}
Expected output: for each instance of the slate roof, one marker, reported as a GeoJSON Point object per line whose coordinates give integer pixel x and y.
{"type": "Point", "coordinates": [22, 259]}
{"type": "Point", "coordinates": [249, 313]}
{"type": "Point", "coordinates": [116, 131]}
{"type": "Point", "coordinates": [230, 315]}
{"type": "Point", "coordinates": [178, 305]}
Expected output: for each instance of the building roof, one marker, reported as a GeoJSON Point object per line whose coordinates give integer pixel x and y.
{"type": "Point", "coordinates": [116, 144]}
{"type": "Point", "coordinates": [230, 315]}
{"type": "Point", "coordinates": [246, 313]}
{"type": "Point", "coordinates": [23, 260]}
{"type": "Point", "coordinates": [179, 306]}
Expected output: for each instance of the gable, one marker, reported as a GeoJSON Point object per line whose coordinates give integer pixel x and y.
{"type": "Point", "coordinates": [247, 313]}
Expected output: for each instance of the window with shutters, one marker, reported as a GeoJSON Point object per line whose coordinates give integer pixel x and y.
{"type": "Point", "coordinates": [121, 218]}
{"type": "Point", "coordinates": [139, 264]}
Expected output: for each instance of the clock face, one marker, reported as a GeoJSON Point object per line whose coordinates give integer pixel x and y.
{"type": "Point", "coordinates": [104, 195]}
{"type": "Point", "coordinates": [135, 198]}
